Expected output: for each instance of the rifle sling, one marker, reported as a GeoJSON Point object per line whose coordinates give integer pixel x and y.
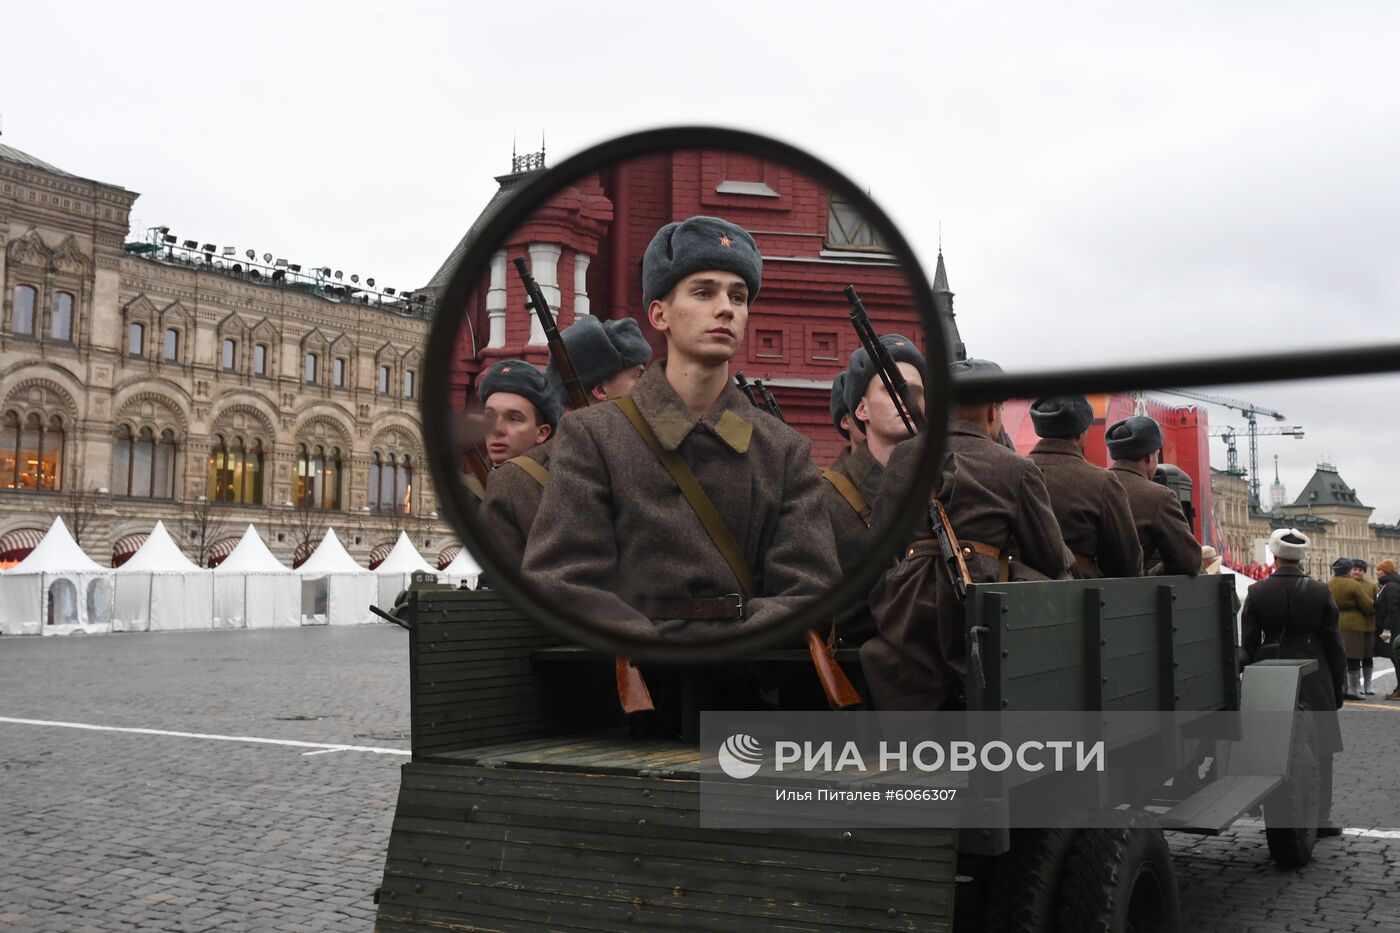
{"type": "Point", "coordinates": [843, 485]}
{"type": "Point", "coordinates": [537, 472]}
{"type": "Point", "coordinates": [694, 494]}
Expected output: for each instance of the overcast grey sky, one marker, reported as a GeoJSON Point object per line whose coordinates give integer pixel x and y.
{"type": "Point", "coordinates": [1113, 181]}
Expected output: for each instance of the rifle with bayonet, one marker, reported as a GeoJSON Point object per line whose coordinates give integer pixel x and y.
{"type": "Point", "coordinates": [840, 694]}
{"type": "Point", "coordinates": [906, 403]}
{"type": "Point", "coordinates": [632, 690]}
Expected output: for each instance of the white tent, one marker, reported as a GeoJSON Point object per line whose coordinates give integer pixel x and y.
{"type": "Point", "coordinates": [462, 569]}
{"type": "Point", "coordinates": [56, 590]}
{"type": "Point", "coordinates": [396, 571]}
{"type": "Point", "coordinates": [334, 589]}
{"type": "Point", "coordinates": [159, 589]}
{"type": "Point", "coordinates": [253, 589]}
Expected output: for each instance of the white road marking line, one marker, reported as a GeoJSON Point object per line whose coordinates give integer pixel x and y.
{"type": "Point", "coordinates": [292, 743]}
{"type": "Point", "coordinates": [1252, 823]}
{"type": "Point", "coordinates": [324, 751]}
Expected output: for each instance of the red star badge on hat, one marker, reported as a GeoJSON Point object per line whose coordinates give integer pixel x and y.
{"type": "Point", "coordinates": [725, 241]}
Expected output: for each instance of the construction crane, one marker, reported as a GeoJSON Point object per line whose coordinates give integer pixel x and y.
{"type": "Point", "coordinates": [1250, 412]}
{"type": "Point", "coordinates": [1232, 455]}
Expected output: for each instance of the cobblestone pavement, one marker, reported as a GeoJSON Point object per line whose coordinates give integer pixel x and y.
{"type": "Point", "coordinates": [132, 831]}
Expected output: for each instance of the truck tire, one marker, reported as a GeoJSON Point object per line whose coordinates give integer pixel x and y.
{"type": "Point", "coordinates": [1291, 812]}
{"type": "Point", "coordinates": [1026, 886]}
{"type": "Point", "coordinates": [1120, 879]}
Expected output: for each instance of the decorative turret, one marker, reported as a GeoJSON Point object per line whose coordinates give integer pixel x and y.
{"type": "Point", "coordinates": [943, 304]}
{"type": "Point", "coordinates": [1278, 497]}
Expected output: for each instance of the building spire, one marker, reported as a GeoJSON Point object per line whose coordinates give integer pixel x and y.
{"type": "Point", "coordinates": [943, 304]}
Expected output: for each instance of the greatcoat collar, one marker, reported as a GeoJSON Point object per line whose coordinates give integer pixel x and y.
{"type": "Point", "coordinates": [730, 418]}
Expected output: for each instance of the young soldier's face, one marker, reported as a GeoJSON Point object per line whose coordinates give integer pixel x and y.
{"type": "Point", "coordinates": [704, 317]}
{"type": "Point", "coordinates": [1357, 573]}
{"type": "Point", "coordinates": [878, 410]}
{"type": "Point", "coordinates": [515, 426]}
{"type": "Point", "coordinates": [618, 384]}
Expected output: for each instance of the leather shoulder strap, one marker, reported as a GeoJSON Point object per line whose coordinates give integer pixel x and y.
{"type": "Point", "coordinates": [694, 494]}
{"type": "Point", "coordinates": [849, 492]}
{"type": "Point", "coordinates": [537, 472]}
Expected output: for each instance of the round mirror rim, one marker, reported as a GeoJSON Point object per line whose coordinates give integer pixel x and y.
{"type": "Point", "coordinates": [437, 413]}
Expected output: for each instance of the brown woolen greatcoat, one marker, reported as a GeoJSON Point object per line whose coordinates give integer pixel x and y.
{"type": "Point", "coordinates": [1161, 525]}
{"type": "Point", "coordinates": [993, 496]}
{"type": "Point", "coordinates": [1356, 602]}
{"type": "Point", "coordinates": [614, 531]}
{"type": "Point", "coordinates": [1288, 599]}
{"type": "Point", "coordinates": [509, 506]}
{"type": "Point", "coordinates": [852, 535]}
{"type": "Point", "coordinates": [1092, 510]}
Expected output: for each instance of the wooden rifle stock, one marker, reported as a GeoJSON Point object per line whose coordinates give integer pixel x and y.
{"type": "Point", "coordinates": [632, 690]}
{"type": "Point", "coordinates": [479, 466]}
{"type": "Point", "coordinates": [948, 546]}
{"type": "Point", "coordinates": [837, 687]}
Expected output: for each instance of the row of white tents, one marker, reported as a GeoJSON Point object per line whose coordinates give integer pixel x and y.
{"type": "Point", "coordinates": [57, 589]}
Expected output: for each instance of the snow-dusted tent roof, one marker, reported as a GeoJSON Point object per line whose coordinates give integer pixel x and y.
{"type": "Point", "coordinates": [330, 556]}
{"type": "Point", "coordinates": [58, 552]}
{"type": "Point", "coordinates": [404, 558]}
{"type": "Point", "coordinates": [463, 565]}
{"type": "Point", "coordinates": [250, 555]}
{"type": "Point", "coordinates": [159, 554]}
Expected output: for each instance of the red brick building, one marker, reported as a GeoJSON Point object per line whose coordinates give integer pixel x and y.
{"type": "Point", "coordinates": [585, 248]}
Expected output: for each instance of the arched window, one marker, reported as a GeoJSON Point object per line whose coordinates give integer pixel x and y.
{"type": "Point", "coordinates": [318, 477]}
{"type": "Point", "coordinates": [63, 602]}
{"type": "Point", "coordinates": [163, 475]}
{"type": "Point", "coordinates": [228, 354]}
{"type": "Point", "coordinates": [260, 360]}
{"type": "Point", "coordinates": [311, 362]}
{"type": "Point", "coordinates": [121, 461]}
{"type": "Point", "coordinates": [9, 451]}
{"type": "Point", "coordinates": [391, 482]}
{"type": "Point", "coordinates": [136, 339]}
{"type": "Point", "coordinates": [22, 321]}
{"type": "Point", "coordinates": [31, 452]}
{"type": "Point", "coordinates": [143, 454]}
{"type": "Point", "coordinates": [338, 373]}
{"type": "Point", "coordinates": [172, 345]}
{"type": "Point", "coordinates": [383, 380]}
{"type": "Point", "coordinates": [408, 383]}
{"type": "Point", "coordinates": [61, 320]}
{"type": "Point", "coordinates": [236, 471]}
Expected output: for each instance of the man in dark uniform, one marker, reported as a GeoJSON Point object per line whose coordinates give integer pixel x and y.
{"type": "Point", "coordinates": [1090, 505]}
{"type": "Point", "coordinates": [1135, 444]}
{"type": "Point", "coordinates": [841, 419]}
{"type": "Point", "coordinates": [853, 486]}
{"type": "Point", "coordinates": [1000, 511]}
{"type": "Point", "coordinates": [608, 359]}
{"type": "Point", "coordinates": [1288, 615]}
{"type": "Point", "coordinates": [614, 539]}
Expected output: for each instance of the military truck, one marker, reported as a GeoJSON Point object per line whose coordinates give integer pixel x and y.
{"type": "Point", "coordinates": [528, 805]}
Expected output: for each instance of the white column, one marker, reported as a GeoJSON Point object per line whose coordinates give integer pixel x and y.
{"type": "Point", "coordinates": [544, 266]}
{"type": "Point", "coordinates": [581, 304]}
{"type": "Point", "coordinates": [496, 301]}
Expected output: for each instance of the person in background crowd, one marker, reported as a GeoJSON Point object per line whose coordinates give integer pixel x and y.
{"type": "Point", "coordinates": [1368, 657]}
{"type": "Point", "coordinates": [1388, 615]}
{"type": "Point", "coordinates": [1290, 616]}
{"type": "Point", "coordinates": [1212, 563]}
{"type": "Point", "coordinates": [1358, 612]}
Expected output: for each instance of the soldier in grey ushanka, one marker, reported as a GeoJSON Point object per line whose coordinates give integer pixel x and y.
{"type": "Point", "coordinates": [1090, 505]}
{"type": "Point", "coordinates": [523, 412]}
{"type": "Point", "coordinates": [614, 539]}
{"type": "Point", "coordinates": [608, 358]}
{"type": "Point", "coordinates": [1135, 445]}
{"type": "Point", "coordinates": [1000, 512]}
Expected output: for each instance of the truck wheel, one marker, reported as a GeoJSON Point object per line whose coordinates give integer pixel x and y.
{"type": "Point", "coordinates": [1026, 885]}
{"type": "Point", "coordinates": [1291, 811]}
{"type": "Point", "coordinates": [1120, 880]}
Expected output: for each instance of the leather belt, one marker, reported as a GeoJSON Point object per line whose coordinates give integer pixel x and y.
{"type": "Point", "coordinates": [986, 550]}
{"type": "Point", "coordinates": [730, 607]}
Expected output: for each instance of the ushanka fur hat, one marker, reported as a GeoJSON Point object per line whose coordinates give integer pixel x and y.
{"type": "Point", "coordinates": [1061, 415]}
{"type": "Point", "coordinates": [599, 351]}
{"type": "Point", "coordinates": [1133, 438]}
{"type": "Point", "coordinates": [839, 408]}
{"type": "Point", "coordinates": [523, 379]}
{"type": "Point", "coordinates": [862, 368]}
{"type": "Point", "coordinates": [696, 244]}
{"type": "Point", "coordinates": [1289, 544]}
